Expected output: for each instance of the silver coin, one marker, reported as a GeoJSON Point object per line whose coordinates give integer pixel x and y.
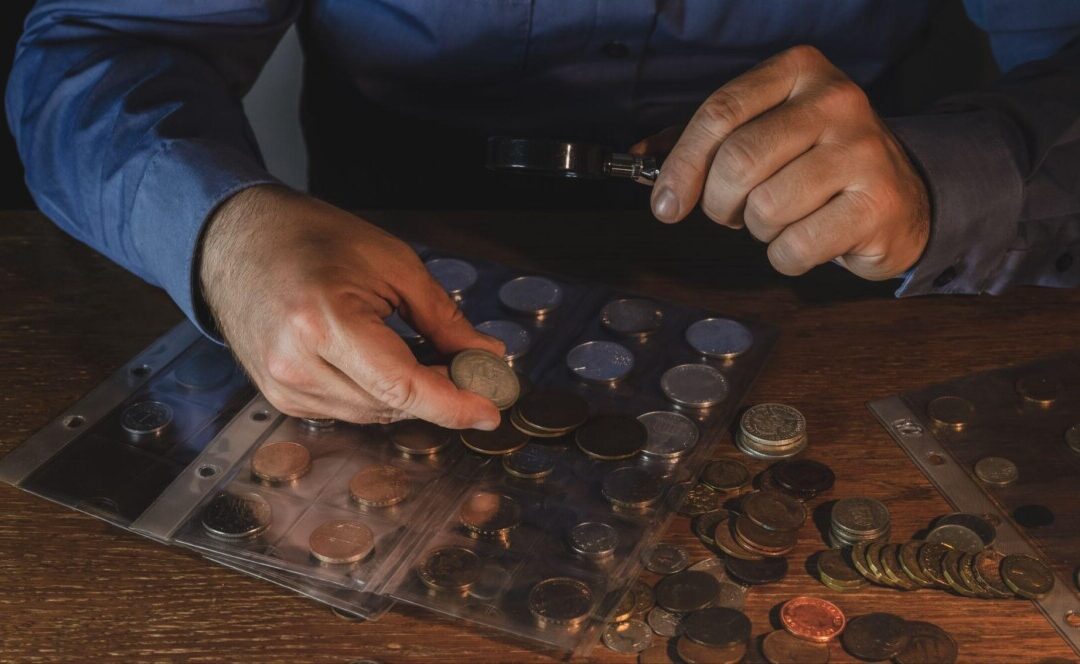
{"type": "Point", "coordinates": [530, 462]}
{"type": "Point", "coordinates": [997, 471]}
{"type": "Point", "coordinates": [670, 435]}
{"type": "Point", "coordinates": [453, 274]}
{"type": "Point", "coordinates": [600, 361]}
{"type": "Point", "coordinates": [631, 636]}
{"type": "Point", "coordinates": [396, 323]}
{"type": "Point", "coordinates": [719, 337]}
{"type": "Point", "coordinates": [531, 295]}
{"type": "Point", "coordinates": [694, 385]}
{"type": "Point", "coordinates": [666, 559]}
{"type": "Point", "coordinates": [1072, 438]}
{"type": "Point", "coordinates": [768, 453]}
{"type": "Point", "coordinates": [714, 566]}
{"type": "Point", "coordinates": [773, 424]}
{"type": "Point", "coordinates": [663, 622]}
{"type": "Point", "coordinates": [858, 516]}
{"type": "Point", "coordinates": [146, 419]}
{"type": "Point", "coordinates": [515, 337]}
{"type": "Point", "coordinates": [235, 516]}
{"type": "Point", "coordinates": [955, 536]}
{"type": "Point", "coordinates": [632, 317]}
{"type": "Point", "coordinates": [594, 539]}
{"type": "Point", "coordinates": [731, 595]}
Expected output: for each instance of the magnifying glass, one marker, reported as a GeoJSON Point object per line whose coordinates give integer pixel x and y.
{"type": "Point", "coordinates": [568, 159]}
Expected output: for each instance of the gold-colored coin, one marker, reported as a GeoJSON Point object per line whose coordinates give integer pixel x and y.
{"type": "Point", "coordinates": [931, 556]}
{"type": "Point", "coordinates": [1027, 577]}
{"type": "Point", "coordinates": [951, 412]}
{"type": "Point", "coordinates": [280, 462]}
{"type": "Point", "coordinates": [490, 514]}
{"type": "Point", "coordinates": [909, 562]}
{"type": "Point", "coordinates": [950, 568]}
{"type": "Point", "coordinates": [379, 486]}
{"type": "Point", "coordinates": [890, 564]}
{"type": "Point", "coordinates": [341, 541]}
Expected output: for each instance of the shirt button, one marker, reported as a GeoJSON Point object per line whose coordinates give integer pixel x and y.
{"type": "Point", "coordinates": [616, 50]}
{"type": "Point", "coordinates": [1064, 262]}
{"type": "Point", "coordinates": [945, 277]}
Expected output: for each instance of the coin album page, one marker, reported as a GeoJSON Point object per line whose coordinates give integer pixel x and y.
{"type": "Point", "coordinates": [515, 530]}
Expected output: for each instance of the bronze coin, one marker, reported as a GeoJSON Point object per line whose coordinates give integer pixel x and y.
{"type": "Point", "coordinates": [716, 627]}
{"type": "Point", "coordinates": [725, 475]}
{"type": "Point", "coordinates": [875, 637]}
{"type": "Point", "coordinates": [506, 438]}
{"type": "Point", "coordinates": [611, 437]}
{"type": "Point", "coordinates": [280, 462]}
{"type": "Point", "coordinates": [1028, 577]}
{"type": "Point", "coordinates": [489, 513]}
{"type": "Point", "coordinates": [379, 486]}
{"type": "Point", "coordinates": [700, 499]}
{"type": "Point", "coordinates": [927, 644]}
{"type": "Point", "coordinates": [780, 647]}
{"type": "Point", "coordinates": [1039, 389]}
{"type": "Point", "coordinates": [420, 438]}
{"type": "Point", "coordinates": [909, 562]}
{"type": "Point", "coordinates": [950, 568]}
{"type": "Point", "coordinates": [724, 537]}
{"type": "Point", "coordinates": [692, 652]}
{"type": "Point", "coordinates": [553, 410]}
{"type": "Point", "coordinates": [812, 619]}
{"type": "Point", "coordinates": [341, 541]}
{"type": "Point", "coordinates": [835, 565]}
{"type": "Point", "coordinates": [686, 591]}
{"type": "Point", "coordinates": [931, 555]}
{"type": "Point", "coordinates": [766, 542]}
{"type": "Point", "coordinates": [988, 567]}
{"type": "Point", "coordinates": [773, 510]}
{"type": "Point", "coordinates": [890, 565]}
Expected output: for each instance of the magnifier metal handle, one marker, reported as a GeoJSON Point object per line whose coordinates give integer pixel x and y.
{"type": "Point", "coordinates": [640, 169]}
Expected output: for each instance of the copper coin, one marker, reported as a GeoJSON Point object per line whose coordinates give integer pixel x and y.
{"type": "Point", "coordinates": [341, 541]}
{"type": "Point", "coordinates": [927, 644]}
{"type": "Point", "coordinates": [506, 438]}
{"type": "Point", "coordinates": [874, 637]}
{"type": "Point", "coordinates": [280, 462]}
{"type": "Point", "coordinates": [766, 542]}
{"type": "Point", "coordinates": [716, 626]}
{"type": "Point", "coordinates": [812, 619]}
{"type": "Point", "coordinates": [553, 410]}
{"type": "Point", "coordinates": [489, 513]}
{"type": "Point", "coordinates": [379, 486]}
{"type": "Point", "coordinates": [611, 437]}
{"type": "Point", "coordinates": [780, 647]}
{"type": "Point", "coordinates": [773, 510]}
{"type": "Point", "coordinates": [417, 437]}
{"type": "Point", "coordinates": [692, 652]}
{"type": "Point", "coordinates": [686, 591]}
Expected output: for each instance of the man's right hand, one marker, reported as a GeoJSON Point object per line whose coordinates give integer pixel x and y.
{"type": "Point", "coordinates": [300, 289]}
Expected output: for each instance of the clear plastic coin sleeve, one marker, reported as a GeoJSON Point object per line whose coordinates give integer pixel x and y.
{"type": "Point", "coordinates": [178, 427]}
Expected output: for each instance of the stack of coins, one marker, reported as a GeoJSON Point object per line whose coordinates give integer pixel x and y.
{"type": "Point", "coordinates": [876, 637]}
{"type": "Point", "coordinates": [549, 413]}
{"type": "Point", "coordinates": [855, 520]}
{"type": "Point", "coordinates": [771, 431]}
{"type": "Point", "coordinates": [836, 571]}
{"type": "Point", "coordinates": [769, 523]}
{"type": "Point", "coordinates": [490, 515]}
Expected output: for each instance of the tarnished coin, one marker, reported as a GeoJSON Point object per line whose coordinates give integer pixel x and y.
{"type": "Point", "coordinates": [235, 516]}
{"type": "Point", "coordinates": [490, 514]}
{"type": "Point", "coordinates": [666, 559]}
{"type": "Point", "coordinates": [1072, 438]}
{"type": "Point", "coordinates": [894, 571]}
{"type": "Point", "coordinates": [956, 537]}
{"type": "Point", "coordinates": [700, 499]}
{"type": "Point", "coordinates": [282, 461]}
{"type": "Point", "coordinates": [716, 627]}
{"type": "Point", "coordinates": [802, 478]}
{"type": "Point", "coordinates": [977, 524]}
{"type": "Point", "coordinates": [761, 540]}
{"type": "Point", "coordinates": [450, 569]}
{"type": "Point", "coordinates": [486, 374]}
{"type": "Point", "coordinates": [927, 644]}
{"type": "Point", "coordinates": [552, 410]}
{"type": "Point", "coordinates": [146, 419]}
{"type": "Point", "coordinates": [632, 487]}
{"type": "Point", "coordinates": [714, 566]}
{"type": "Point", "coordinates": [1039, 389]}
{"type": "Point", "coordinates": [341, 542]}
{"type": "Point", "coordinates": [996, 471]}
{"type": "Point", "coordinates": [380, 486]}
{"type": "Point", "coordinates": [686, 591]}
{"type": "Point", "coordinates": [988, 567]}
{"type": "Point", "coordinates": [663, 622]}
{"type": "Point", "coordinates": [419, 438]}
{"type": "Point", "coordinates": [908, 556]}
{"type": "Point", "coordinates": [719, 337]}
{"type": "Point", "coordinates": [515, 337]}
{"type": "Point", "coordinates": [632, 317]}
{"type": "Point", "coordinates": [692, 652]}
{"type": "Point", "coordinates": [668, 435]}
{"type": "Point", "coordinates": [535, 296]}
{"type": "Point", "coordinates": [860, 515]}
{"type": "Point", "coordinates": [1028, 577]}
{"type": "Point", "coordinates": [655, 655]}
{"type": "Point", "coordinates": [951, 412]}
{"type": "Point", "coordinates": [594, 539]}
{"type": "Point", "coordinates": [631, 636]}
{"type": "Point", "coordinates": [732, 595]}
{"type": "Point", "coordinates": [780, 647]}
{"type": "Point", "coordinates": [694, 385]}
{"type": "Point", "coordinates": [836, 567]}
{"type": "Point", "coordinates": [611, 437]}
{"type": "Point", "coordinates": [453, 274]}
{"type": "Point", "coordinates": [725, 475]}
{"type": "Point", "coordinates": [724, 538]}
{"type": "Point", "coordinates": [560, 601]}
{"type": "Point", "coordinates": [875, 636]}
{"type": "Point", "coordinates": [931, 555]}
{"type": "Point", "coordinates": [396, 323]}
{"type": "Point", "coordinates": [773, 424]}
{"type": "Point", "coordinates": [704, 525]}
{"type": "Point", "coordinates": [600, 361]}
{"type": "Point", "coordinates": [773, 510]}
{"type": "Point", "coordinates": [504, 439]}
{"type": "Point", "coordinates": [643, 596]}
{"type": "Point", "coordinates": [812, 619]}
{"type": "Point", "coordinates": [950, 569]}
{"type": "Point", "coordinates": [757, 572]}
{"type": "Point", "coordinates": [531, 462]}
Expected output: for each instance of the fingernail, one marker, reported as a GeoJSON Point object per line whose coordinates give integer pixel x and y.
{"type": "Point", "coordinates": [666, 205]}
{"type": "Point", "coordinates": [486, 425]}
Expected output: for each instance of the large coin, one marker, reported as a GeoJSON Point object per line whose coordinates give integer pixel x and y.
{"type": "Point", "coordinates": [875, 636]}
{"type": "Point", "coordinates": [451, 568]}
{"type": "Point", "coordinates": [951, 412]}
{"type": "Point", "coordinates": [486, 374]}
{"type": "Point", "coordinates": [719, 337]}
{"type": "Point", "coordinates": [632, 317]}
{"type": "Point", "coordinates": [978, 525]}
{"type": "Point", "coordinates": [725, 475]}
{"type": "Point", "coordinates": [692, 652]}
{"type": "Point", "coordinates": [632, 487]}
{"type": "Point", "coordinates": [988, 567]}
{"type": "Point", "coordinates": [780, 647]}
{"type": "Point", "coordinates": [341, 541]}
{"type": "Point", "coordinates": [631, 636]}
{"type": "Point", "coordinates": [716, 627]}
{"type": "Point", "coordinates": [909, 561]}
{"type": "Point", "coordinates": [860, 515]}
{"type": "Point", "coordinates": [757, 572]}
{"type": "Point", "coordinates": [694, 385]}
{"type": "Point", "coordinates": [236, 516]}
{"type": "Point", "coordinates": [996, 471]}
{"type": "Point", "coordinates": [515, 337]}
{"type": "Point", "coordinates": [504, 439]}
{"type": "Point", "coordinates": [420, 438]}
{"type": "Point", "coordinates": [773, 424]}
{"type": "Point", "coordinates": [803, 478]}
{"type": "Point", "coordinates": [553, 410]}
{"type": "Point", "coordinates": [282, 461]}
{"type": "Point", "coordinates": [1026, 576]}
{"type": "Point", "coordinates": [490, 514]}
{"type": "Point", "coordinates": [1039, 389]}
{"type": "Point", "coordinates": [536, 296]}
{"type": "Point", "coordinates": [835, 565]}
{"type": "Point", "coordinates": [666, 559]}
{"type": "Point", "coordinates": [704, 525]}
{"type": "Point", "coordinates": [686, 591]}
{"type": "Point", "coordinates": [812, 619]}
{"type": "Point", "coordinates": [453, 274]}
{"type": "Point", "coordinates": [774, 511]}
{"type": "Point", "coordinates": [931, 556]}
{"type": "Point", "coordinates": [957, 537]}
{"type": "Point", "coordinates": [379, 486]}
{"type": "Point", "coordinates": [560, 601]}
{"type": "Point", "coordinates": [669, 435]}
{"type": "Point", "coordinates": [600, 361]}
{"type": "Point", "coordinates": [927, 644]}
{"type": "Point", "coordinates": [761, 540]}
{"type": "Point", "coordinates": [146, 419]}
{"type": "Point", "coordinates": [594, 539]}
{"type": "Point", "coordinates": [611, 437]}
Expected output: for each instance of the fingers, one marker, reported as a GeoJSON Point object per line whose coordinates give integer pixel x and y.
{"type": "Point", "coordinates": [831, 231]}
{"type": "Point", "coordinates": [659, 143]}
{"type": "Point", "coordinates": [682, 177]}
{"type": "Point", "coordinates": [436, 316]}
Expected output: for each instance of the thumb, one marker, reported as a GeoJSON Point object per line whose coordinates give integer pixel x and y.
{"type": "Point", "coordinates": [659, 143]}
{"type": "Point", "coordinates": [433, 314]}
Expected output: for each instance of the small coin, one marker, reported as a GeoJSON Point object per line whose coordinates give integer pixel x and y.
{"type": "Point", "coordinates": [504, 439]}
{"type": "Point", "coordinates": [535, 296]}
{"type": "Point", "coordinates": [600, 361]}
{"type": "Point", "coordinates": [692, 652]}
{"type": "Point", "coordinates": [668, 435]}
{"type": "Point", "coordinates": [560, 601]}
{"type": "Point", "coordinates": [725, 540]}
{"type": "Point", "coordinates": [719, 337]}
{"type": "Point", "coordinates": [773, 510]}
{"type": "Point", "coordinates": [611, 437]}
{"type": "Point", "coordinates": [1039, 389]}
{"type": "Point", "coordinates": [686, 591]}
{"type": "Point", "coordinates": [780, 647]}
{"type": "Point", "coordinates": [996, 471]}
{"type": "Point", "coordinates": [716, 627]}
{"type": "Point", "coordinates": [632, 487]}
{"type": "Point", "coordinates": [632, 317]}
{"type": "Point", "coordinates": [486, 374]}
{"type": "Point", "coordinates": [531, 462]}
{"type": "Point", "coordinates": [396, 323]}
{"type": "Point", "coordinates": [1028, 577]}
{"type": "Point", "coordinates": [956, 537]}
{"type": "Point", "coordinates": [666, 559]}
{"type": "Point", "coordinates": [875, 636]}
{"type": "Point", "coordinates": [725, 475]}
{"type": "Point", "coordinates": [515, 337]}
{"type": "Point", "coordinates": [594, 539]}
{"type": "Point", "coordinates": [146, 419]}
{"type": "Point", "coordinates": [489, 513]}
{"type": "Point", "coordinates": [927, 644]}
{"type": "Point", "coordinates": [694, 385]}
{"type": "Point", "coordinates": [663, 622]}
{"type": "Point", "coordinates": [280, 462]}
{"type": "Point", "coordinates": [732, 595]}
{"type": "Point", "coordinates": [1072, 437]}
{"type": "Point", "coordinates": [341, 541]}
{"type": "Point", "coordinates": [453, 274]}
{"type": "Point", "coordinates": [812, 619]}
{"type": "Point", "coordinates": [451, 568]}
{"type": "Point", "coordinates": [235, 516]}
{"type": "Point", "coordinates": [631, 636]}
{"type": "Point", "coordinates": [951, 412]}
{"type": "Point", "coordinates": [379, 486]}
{"type": "Point", "coordinates": [553, 410]}
{"type": "Point", "coordinates": [419, 438]}
{"type": "Point", "coordinates": [757, 572]}
{"type": "Point", "coordinates": [802, 478]}
{"type": "Point", "coordinates": [700, 499]}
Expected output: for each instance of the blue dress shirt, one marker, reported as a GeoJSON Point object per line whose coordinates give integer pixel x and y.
{"type": "Point", "coordinates": [128, 118]}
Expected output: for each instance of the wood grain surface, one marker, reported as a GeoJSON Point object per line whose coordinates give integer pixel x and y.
{"type": "Point", "coordinates": [75, 589]}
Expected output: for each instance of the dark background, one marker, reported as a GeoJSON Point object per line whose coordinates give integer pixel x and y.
{"type": "Point", "coordinates": [13, 194]}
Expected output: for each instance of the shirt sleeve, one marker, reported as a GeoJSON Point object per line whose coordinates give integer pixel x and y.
{"type": "Point", "coordinates": [1002, 165]}
{"type": "Point", "coordinates": [128, 118]}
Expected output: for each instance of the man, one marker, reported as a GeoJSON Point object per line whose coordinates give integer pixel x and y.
{"type": "Point", "coordinates": [128, 119]}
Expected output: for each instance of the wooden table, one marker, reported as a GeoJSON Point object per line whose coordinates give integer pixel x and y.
{"type": "Point", "coordinates": [75, 589]}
